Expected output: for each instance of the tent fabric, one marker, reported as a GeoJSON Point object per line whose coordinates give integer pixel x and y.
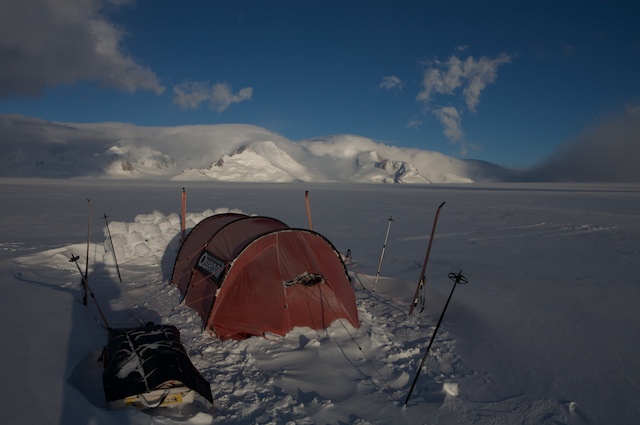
{"type": "Point", "coordinates": [255, 275]}
{"type": "Point", "coordinates": [192, 246]}
{"type": "Point", "coordinates": [213, 260]}
{"type": "Point", "coordinates": [143, 359]}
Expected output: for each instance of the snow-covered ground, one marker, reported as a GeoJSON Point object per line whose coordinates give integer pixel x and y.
{"type": "Point", "coordinates": [545, 331]}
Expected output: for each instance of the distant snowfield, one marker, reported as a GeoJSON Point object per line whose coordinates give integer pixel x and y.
{"type": "Point", "coordinates": [545, 331]}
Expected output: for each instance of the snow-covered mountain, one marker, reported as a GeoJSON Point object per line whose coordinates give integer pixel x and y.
{"type": "Point", "coordinates": [225, 152]}
{"type": "Point", "coordinates": [137, 161]}
{"type": "Point", "coordinates": [260, 162]}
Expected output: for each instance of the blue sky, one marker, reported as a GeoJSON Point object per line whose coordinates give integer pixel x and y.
{"type": "Point", "coordinates": [503, 81]}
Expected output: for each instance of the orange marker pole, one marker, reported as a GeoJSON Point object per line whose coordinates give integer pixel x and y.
{"type": "Point", "coordinates": [183, 224]}
{"type": "Point", "coordinates": [306, 200]}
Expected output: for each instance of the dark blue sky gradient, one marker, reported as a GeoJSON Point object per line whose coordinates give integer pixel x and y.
{"type": "Point", "coordinates": [315, 68]}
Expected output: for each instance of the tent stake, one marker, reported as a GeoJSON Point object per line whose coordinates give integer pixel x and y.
{"type": "Point", "coordinates": [384, 245]}
{"type": "Point", "coordinates": [457, 278]}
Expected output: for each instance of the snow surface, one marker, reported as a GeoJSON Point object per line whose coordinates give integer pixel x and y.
{"type": "Point", "coordinates": [545, 332]}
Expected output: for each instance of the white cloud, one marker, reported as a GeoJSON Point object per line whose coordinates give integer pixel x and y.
{"type": "Point", "coordinates": [478, 75]}
{"type": "Point", "coordinates": [191, 94]}
{"type": "Point", "coordinates": [391, 82]}
{"type": "Point", "coordinates": [450, 119]}
{"type": "Point", "coordinates": [219, 96]}
{"type": "Point", "coordinates": [52, 42]}
{"type": "Point", "coordinates": [454, 75]}
{"type": "Point", "coordinates": [441, 81]}
{"type": "Point", "coordinates": [222, 96]}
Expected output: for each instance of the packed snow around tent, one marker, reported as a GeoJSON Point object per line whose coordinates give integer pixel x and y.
{"type": "Point", "coordinates": [543, 332]}
{"type": "Point", "coordinates": [262, 380]}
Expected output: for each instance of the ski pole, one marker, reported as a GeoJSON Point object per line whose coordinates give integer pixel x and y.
{"type": "Point", "coordinates": [457, 278]}
{"type": "Point", "coordinates": [74, 259]}
{"type": "Point", "coordinates": [422, 280]}
{"type": "Point", "coordinates": [113, 250]}
{"type": "Point", "coordinates": [384, 245]}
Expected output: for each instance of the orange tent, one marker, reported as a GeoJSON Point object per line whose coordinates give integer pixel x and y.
{"type": "Point", "coordinates": [248, 275]}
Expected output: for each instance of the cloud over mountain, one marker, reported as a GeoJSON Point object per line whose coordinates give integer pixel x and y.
{"type": "Point", "coordinates": [32, 147]}
{"type": "Point", "coordinates": [224, 152]}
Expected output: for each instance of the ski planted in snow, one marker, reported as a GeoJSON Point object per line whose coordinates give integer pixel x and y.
{"type": "Point", "coordinates": [113, 250]}
{"type": "Point", "coordinates": [422, 280]}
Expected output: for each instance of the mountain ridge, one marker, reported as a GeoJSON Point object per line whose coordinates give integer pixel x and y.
{"type": "Point", "coordinates": [219, 152]}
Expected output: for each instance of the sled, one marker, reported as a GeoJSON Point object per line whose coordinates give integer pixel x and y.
{"type": "Point", "coordinates": [147, 368]}
{"type": "Point", "coordinates": [173, 394]}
